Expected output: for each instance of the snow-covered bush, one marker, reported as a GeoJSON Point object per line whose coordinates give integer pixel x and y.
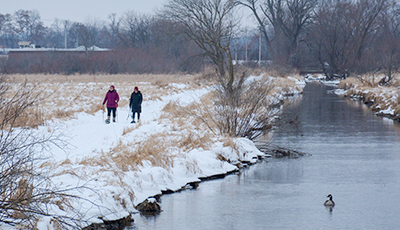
{"type": "Point", "coordinates": [26, 192]}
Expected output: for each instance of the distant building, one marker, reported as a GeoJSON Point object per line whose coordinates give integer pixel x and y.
{"type": "Point", "coordinates": [25, 44]}
{"type": "Point", "coordinates": [27, 48]}
{"type": "Point", "coordinates": [30, 58]}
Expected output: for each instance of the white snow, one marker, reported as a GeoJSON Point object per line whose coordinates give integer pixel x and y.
{"type": "Point", "coordinates": [117, 191]}
{"type": "Point", "coordinates": [385, 100]}
{"type": "Point", "coordinates": [111, 191]}
{"type": "Point", "coordinates": [340, 91]}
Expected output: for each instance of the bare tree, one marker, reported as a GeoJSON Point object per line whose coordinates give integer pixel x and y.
{"type": "Point", "coordinates": [329, 37]}
{"type": "Point", "coordinates": [134, 29]}
{"type": "Point", "coordinates": [211, 25]}
{"type": "Point", "coordinates": [29, 25]}
{"type": "Point", "coordinates": [252, 115]}
{"type": "Point", "coordinates": [114, 28]}
{"type": "Point", "coordinates": [342, 33]}
{"type": "Point", "coordinates": [241, 108]}
{"type": "Point", "coordinates": [386, 49]}
{"type": "Point", "coordinates": [366, 12]}
{"type": "Point", "coordinates": [8, 35]}
{"type": "Point", "coordinates": [26, 191]}
{"type": "Point", "coordinates": [86, 34]}
{"type": "Point", "coordinates": [287, 19]}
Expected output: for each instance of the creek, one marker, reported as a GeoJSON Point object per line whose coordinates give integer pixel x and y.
{"type": "Point", "coordinates": [355, 156]}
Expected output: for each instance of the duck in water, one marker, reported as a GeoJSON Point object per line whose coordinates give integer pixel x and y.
{"type": "Point", "coordinates": [329, 202]}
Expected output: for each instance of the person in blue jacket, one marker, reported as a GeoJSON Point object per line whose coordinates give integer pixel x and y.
{"type": "Point", "coordinates": [135, 104]}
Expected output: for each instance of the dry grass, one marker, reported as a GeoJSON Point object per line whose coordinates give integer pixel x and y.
{"type": "Point", "coordinates": [159, 149]}
{"type": "Point", "coordinates": [31, 117]}
{"type": "Point", "coordinates": [284, 84]}
{"type": "Point", "coordinates": [193, 140]}
{"type": "Point", "coordinates": [191, 117]}
{"type": "Point", "coordinates": [102, 159]}
{"type": "Point", "coordinates": [61, 114]}
{"type": "Point", "coordinates": [202, 114]}
{"type": "Point", "coordinates": [68, 171]}
{"type": "Point", "coordinates": [229, 142]}
{"type": "Point", "coordinates": [368, 80]}
{"type": "Point", "coordinates": [349, 83]}
{"type": "Point", "coordinates": [128, 130]}
{"type": "Point", "coordinates": [379, 97]}
{"type": "Point", "coordinates": [128, 156]}
{"type": "Point", "coordinates": [192, 166]}
{"type": "Point", "coordinates": [67, 95]}
{"type": "Point", "coordinates": [71, 94]}
{"type": "Point", "coordinates": [397, 107]}
{"type": "Point", "coordinates": [67, 161]}
{"type": "Point", "coordinates": [173, 110]}
{"type": "Point", "coordinates": [155, 149]}
{"type": "Point", "coordinates": [94, 108]}
{"type": "Point", "coordinates": [104, 78]}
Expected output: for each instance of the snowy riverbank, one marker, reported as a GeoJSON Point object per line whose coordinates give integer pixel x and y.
{"type": "Point", "coordinates": [122, 164]}
{"type": "Point", "coordinates": [383, 100]}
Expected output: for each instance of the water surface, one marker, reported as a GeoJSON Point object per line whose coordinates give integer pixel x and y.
{"type": "Point", "coordinates": [355, 157]}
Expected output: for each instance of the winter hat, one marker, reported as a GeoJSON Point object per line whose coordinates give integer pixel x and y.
{"type": "Point", "coordinates": [112, 86]}
{"type": "Point", "coordinates": [136, 88]}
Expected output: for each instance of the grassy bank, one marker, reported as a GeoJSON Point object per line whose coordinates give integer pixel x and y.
{"type": "Point", "coordinates": [383, 99]}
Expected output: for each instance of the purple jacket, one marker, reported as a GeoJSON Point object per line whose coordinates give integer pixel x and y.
{"type": "Point", "coordinates": [112, 99]}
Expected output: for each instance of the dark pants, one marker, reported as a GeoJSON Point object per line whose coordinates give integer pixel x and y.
{"type": "Point", "coordinates": [109, 110]}
{"type": "Point", "coordinates": [133, 114]}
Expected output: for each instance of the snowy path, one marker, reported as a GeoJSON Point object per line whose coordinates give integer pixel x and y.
{"type": "Point", "coordinates": [115, 190]}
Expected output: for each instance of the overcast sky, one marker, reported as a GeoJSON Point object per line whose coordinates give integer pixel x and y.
{"type": "Point", "coordinates": [80, 10]}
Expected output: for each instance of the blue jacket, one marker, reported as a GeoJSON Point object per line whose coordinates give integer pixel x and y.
{"type": "Point", "coordinates": [135, 102]}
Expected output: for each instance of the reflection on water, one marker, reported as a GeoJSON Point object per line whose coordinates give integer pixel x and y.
{"type": "Point", "coordinates": [355, 157]}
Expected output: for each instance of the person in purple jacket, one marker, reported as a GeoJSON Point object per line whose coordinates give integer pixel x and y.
{"type": "Point", "coordinates": [112, 99]}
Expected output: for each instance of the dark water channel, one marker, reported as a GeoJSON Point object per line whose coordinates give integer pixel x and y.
{"type": "Point", "coordinates": [355, 157]}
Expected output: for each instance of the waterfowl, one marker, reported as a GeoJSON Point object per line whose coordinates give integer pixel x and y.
{"type": "Point", "coordinates": [329, 202]}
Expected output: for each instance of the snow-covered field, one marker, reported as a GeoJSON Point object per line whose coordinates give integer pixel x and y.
{"type": "Point", "coordinates": [122, 164]}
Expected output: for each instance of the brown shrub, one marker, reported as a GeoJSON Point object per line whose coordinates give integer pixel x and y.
{"type": "Point", "coordinates": [128, 130]}
{"type": "Point", "coordinates": [193, 140]}
{"type": "Point", "coordinates": [67, 161]}
{"type": "Point", "coordinates": [62, 113]}
{"type": "Point", "coordinates": [228, 142]}
{"type": "Point", "coordinates": [94, 108]}
{"type": "Point", "coordinates": [130, 156]}
{"type": "Point", "coordinates": [30, 117]}
{"type": "Point", "coordinates": [397, 111]}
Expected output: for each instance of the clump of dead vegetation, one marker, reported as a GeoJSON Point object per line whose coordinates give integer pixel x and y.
{"type": "Point", "coordinates": [376, 91]}
{"type": "Point", "coordinates": [158, 149]}
{"type": "Point", "coordinates": [245, 109]}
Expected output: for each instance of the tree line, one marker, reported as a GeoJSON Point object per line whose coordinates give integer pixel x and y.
{"type": "Point", "coordinates": [338, 37]}
{"type": "Point", "coordinates": [138, 43]}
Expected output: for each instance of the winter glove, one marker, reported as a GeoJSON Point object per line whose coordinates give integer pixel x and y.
{"type": "Point", "coordinates": [102, 108]}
